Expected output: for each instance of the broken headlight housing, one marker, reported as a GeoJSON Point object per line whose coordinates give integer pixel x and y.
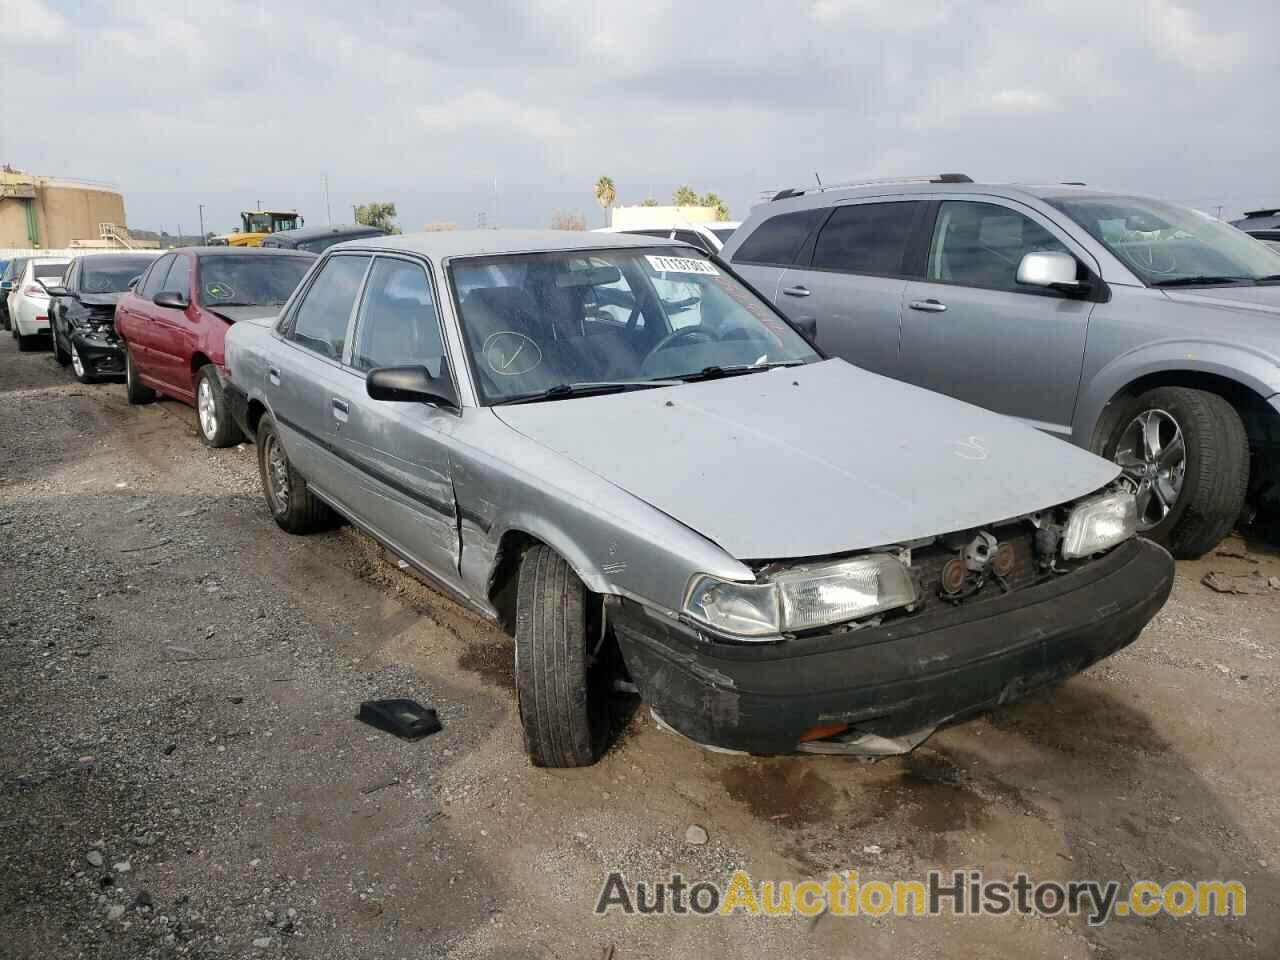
{"type": "Point", "coordinates": [1098, 524]}
{"type": "Point", "coordinates": [801, 598]}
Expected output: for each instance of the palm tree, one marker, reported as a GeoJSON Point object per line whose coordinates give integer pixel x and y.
{"type": "Point", "coordinates": [685, 197]}
{"type": "Point", "coordinates": [713, 200]}
{"type": "Point", "coordinates": [605, 194]}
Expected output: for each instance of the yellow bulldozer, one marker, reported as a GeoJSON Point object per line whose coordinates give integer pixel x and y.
{"type": "Point", "coordinates": [255, 225]}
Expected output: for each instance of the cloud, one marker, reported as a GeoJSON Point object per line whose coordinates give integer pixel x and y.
{"type": "Point", "coordinates": [223, 104]}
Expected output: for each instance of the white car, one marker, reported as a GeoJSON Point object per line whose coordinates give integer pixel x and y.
{"type": "Point", "coordinates": [705, 236]}
{"type": "Point", "coordinates": [29, 301]}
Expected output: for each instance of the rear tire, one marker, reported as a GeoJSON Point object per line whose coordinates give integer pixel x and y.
{"type": "Point", "coordinates": [213, 417]}
{"type": "Point", "coordinates": [293, 507]}
{"type": "Point", "coordinates": [134, 389]}
{"type": "Point", "coordinates": [1214, 473]}
{"type": "Point", "coordinates": [563, 702]}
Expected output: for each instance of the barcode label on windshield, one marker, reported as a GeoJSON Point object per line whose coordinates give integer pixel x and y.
{"type": "Point", "coordinates": [682, 265]}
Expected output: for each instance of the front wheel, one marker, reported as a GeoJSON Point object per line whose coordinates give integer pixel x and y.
{"type": "Point", "coordinates": [560, 689]}
{"type": "Point", "coordinates": [60, 356]}
{"type": "Point", "coordinates": [134, 389]}
{"type": "Point", "coordinates": [293, 507]}
{"type": "Point", "coordinates": [1185, 454]}
{"type": "Point", "coordinates": [213, 418]}
{"type": "Point", "coordinates": [78, 366]}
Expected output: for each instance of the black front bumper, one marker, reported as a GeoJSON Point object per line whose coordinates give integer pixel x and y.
{"type": "Point", "coordinates": [100, 355]}
{"type": "Point", "coordinates": [906, 676]}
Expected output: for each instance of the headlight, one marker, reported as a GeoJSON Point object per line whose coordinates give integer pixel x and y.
{"type": "Point", "coordinates": [802, 598]}
{"type": "Point", "coordinates": [1098, 524]}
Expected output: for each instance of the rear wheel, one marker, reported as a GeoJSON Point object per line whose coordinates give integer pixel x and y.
{"type": "Point", "coordinates": [28, 342]}
{"type": "Point", "coordinates": [135, 390]}
{"type": "Point", "coordinates": [293, 507]}
{"type": "Point", "coordinates": [213, 418]}
{"type": "Point", "coordinates": [1185, 454]}
{"type": "Point", "coordinates": [562, 693]}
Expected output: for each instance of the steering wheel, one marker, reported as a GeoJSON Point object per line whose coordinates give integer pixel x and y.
{"type": "Point", "coordinates": [705, 335]}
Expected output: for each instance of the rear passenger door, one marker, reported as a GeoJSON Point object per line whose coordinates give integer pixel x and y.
{"type": "Point", "coordinates": [396, 455]}
{"type": "Point", "coordinates": [300, 389]}
{"type": "Point", "coordinates": [851, 279]}
{"type": "Point", "coordinates": [771, 248]}
{"type": "Point", "coordinates": [969, 330]}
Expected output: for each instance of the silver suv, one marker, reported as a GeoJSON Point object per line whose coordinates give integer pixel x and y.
{"type": "Point", "coordinates": [1144, 331]}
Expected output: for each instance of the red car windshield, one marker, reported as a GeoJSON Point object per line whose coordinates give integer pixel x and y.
{"type": "Point", "coordinates": [249, 280]}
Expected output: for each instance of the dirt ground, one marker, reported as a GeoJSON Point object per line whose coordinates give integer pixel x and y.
{"type": "Point", "coordinates": [181, 772]}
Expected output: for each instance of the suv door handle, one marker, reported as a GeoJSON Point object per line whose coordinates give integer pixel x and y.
{"type": "Point", "coordinates": [273, 374]}
{"type": "Point", "coordinates": [928, 306]}
{"type": "Point", "coordinates": [341, 409]}
{"type": "Point", "coordinates": [799, 290]}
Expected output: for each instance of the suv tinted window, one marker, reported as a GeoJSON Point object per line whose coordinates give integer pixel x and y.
{"type": "Point", "coordinates": [778, 239]}
{"type": "Point", "coordinates": [151, 283]}
{"type": "Point", "coordinates": [981, 244]}
{"type": "Point", "coordinates": [320, 322]}
{"type": "Point", "coordinates": [179, 279]}
{"type": "Point", "coordinates": [398, 324]}
{"type": "Point", "coordinates": [867, 238]}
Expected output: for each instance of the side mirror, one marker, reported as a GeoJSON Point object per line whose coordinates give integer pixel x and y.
{"type": "Point", "coordinates": [410, 385]}
{"type": "Point", "coordinates": [1049, 269]}
{"type": "Point", "coordinates": [134, 281]}
{"type": "Point", "coordinates": [58, 292]}
{"type": "Point", "coordinates": [808, 326]}
{"type": "Point", "coordinates": [171, 299]}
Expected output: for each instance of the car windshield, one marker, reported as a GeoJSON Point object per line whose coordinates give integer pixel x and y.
{"type": "Point", "coordinates": [546, 321]}
{"type": "Point", "coordinates": [110, 275]}
{"type": "Point", "coordinates": [249, 279]}
{"type": "Point", "coordinates": [1168, 245]}
{"type": "Point", "coordinates": [44, 272]}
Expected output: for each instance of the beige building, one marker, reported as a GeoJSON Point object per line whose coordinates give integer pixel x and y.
{"type": "Point", "coordinates": [49, 212]}
{"type": "Point", "coordinates": [637, 217]}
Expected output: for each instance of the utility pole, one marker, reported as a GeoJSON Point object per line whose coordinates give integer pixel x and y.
{"type": "Point", "coordinates": [1219, 211]}
{"type": "Point", "coordinates": [328, 214]}
{"type": "Point", "coordinates": [259, 204]}
{"type": "Point", "coordinates": [202, 234]}
{"type": "Point", "coordinates": [354, 216]}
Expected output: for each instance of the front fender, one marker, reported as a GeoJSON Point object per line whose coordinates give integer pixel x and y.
{"type": "Point", "coordinates": [1255, 369]}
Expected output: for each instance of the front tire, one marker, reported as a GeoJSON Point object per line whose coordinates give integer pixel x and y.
{"type": "Point", "coordinates": [134, 389]}
{"type": "Point", "coordinates": [60, 356]}
{"type": "Point", "coordinates": [294, 508]}
{"type": "Point", "coordinates": [213, 417]}
{"type": "Point", "coordinates": [563, 701]}
{"type": "Point", "coordinates": [1186, 454]}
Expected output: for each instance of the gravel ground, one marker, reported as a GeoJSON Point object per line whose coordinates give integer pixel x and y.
{"type": "Point", "coordinates": [181, 773]}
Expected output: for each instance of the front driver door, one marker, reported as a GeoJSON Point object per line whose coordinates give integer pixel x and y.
{"type": "Point", "coordinates": [396, 455]}
{"type": "Point", "coordinates": [969, 330]}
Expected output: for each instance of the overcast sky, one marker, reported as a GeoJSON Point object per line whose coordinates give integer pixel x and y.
{"type": "Point", "coordinates": [226, 103]}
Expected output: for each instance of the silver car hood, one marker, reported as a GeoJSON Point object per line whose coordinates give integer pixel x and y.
{"type": "Point", "coordinates": [813, 460]}
{"type": "Point", "coordinates": [1265, 299]}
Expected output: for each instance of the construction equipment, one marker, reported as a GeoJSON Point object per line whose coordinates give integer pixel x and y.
{"type": "Point", "coordinates": [255, 225]}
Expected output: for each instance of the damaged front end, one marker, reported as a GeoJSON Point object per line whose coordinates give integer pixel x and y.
{"type": "Point", "coordinates": [867, 655]}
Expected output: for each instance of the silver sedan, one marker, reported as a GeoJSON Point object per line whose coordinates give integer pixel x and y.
{"type": "Point", "coordinates": [618, 450]}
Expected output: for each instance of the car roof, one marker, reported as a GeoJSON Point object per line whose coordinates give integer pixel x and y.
{"type": "Point", "coordinates": [120, 257]}
{"type": "Point", "coordinates": [205, 252]}
{"type": "Point", "coordinates": [474, 243]}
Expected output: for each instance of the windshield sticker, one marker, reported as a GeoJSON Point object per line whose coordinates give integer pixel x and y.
{"type": "Point", "coordinates": [682, 265]}
{"type": "Point", "coordinates": [511, 354]}
{"type": "Point", "coordinates": [219, 290]}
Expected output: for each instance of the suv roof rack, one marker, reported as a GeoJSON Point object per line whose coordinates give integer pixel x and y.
{"type": "Point", "coordinates": [822, 187]}
{"type": "Point", "coordinates": [1268, 212]}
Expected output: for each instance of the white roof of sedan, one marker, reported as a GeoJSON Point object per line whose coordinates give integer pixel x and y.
{"type": "Point", "coordinates": [477, 243]}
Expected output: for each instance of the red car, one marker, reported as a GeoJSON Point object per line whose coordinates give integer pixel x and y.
{"type": "Point", "coordinates": [173, 320]}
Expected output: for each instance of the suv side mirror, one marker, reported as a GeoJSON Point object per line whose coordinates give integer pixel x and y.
{"type": "Point", "coordinates": [171, 299]}
{"type": "Point", "coordinates": [1050, 268]}
{"type": "Point", "coordinates": [411, 384]}
{"type": "Point", "coordinates": [133, 281]}
{"type": "Point", "coordinates": [808, 326]}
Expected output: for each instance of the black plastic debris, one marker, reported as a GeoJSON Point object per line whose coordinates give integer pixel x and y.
{"type": "Point", "coordinates": [407, 719]}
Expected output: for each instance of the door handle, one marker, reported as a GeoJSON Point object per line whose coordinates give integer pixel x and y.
{"type": "Point", "coordinates": [341, 409]}
{"type": "Point", "coordinates": [928, 306]}
{"type": "Point", "coordinates": [799, 290]}
{"type": "Point", "coordinates": [273, 374]}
